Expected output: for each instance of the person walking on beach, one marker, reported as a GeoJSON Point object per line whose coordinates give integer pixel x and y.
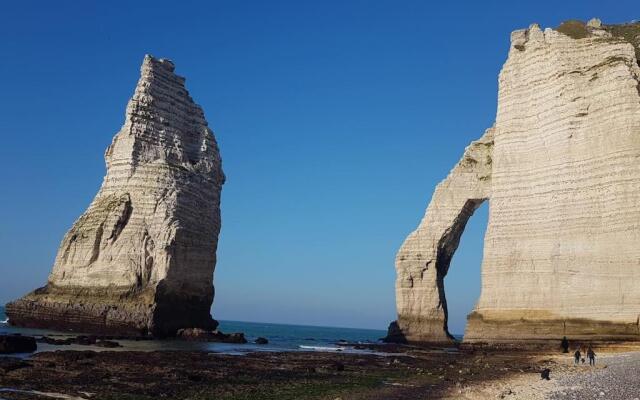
{"type": "Point", "coordinates": [591, 356]}
{"type": "Point", "coordinates": [576, 357]}
{"type": "Point", "coordinates": [565, 345]}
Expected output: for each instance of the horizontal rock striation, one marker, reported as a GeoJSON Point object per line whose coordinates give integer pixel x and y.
{"type": "Point", "coordinates": [140, 260]}
{"type": "Point", "coordinates": [560, 168]}
{"type": "Point", "coordinates": [423, 261]}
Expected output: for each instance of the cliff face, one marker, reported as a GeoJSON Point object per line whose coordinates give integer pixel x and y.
{"type": "Point", "coordinates": [141, 258]}
{"type": "Point", "coordinates": [561, 171]}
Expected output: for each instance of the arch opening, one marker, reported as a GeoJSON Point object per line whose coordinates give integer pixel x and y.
{"type": "Point", "coordinates": [464, 283]}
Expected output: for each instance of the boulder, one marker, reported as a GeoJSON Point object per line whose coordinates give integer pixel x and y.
{"type": "Point", "coordinates": [54, 341]}
{"type": "Point", "coordinates": [8, 364]}
{"type": "Point", "coordinates": [17, 344]}
{"type": "Point", "coordinates": [594, 23]}
{"type": "Point", "coordinates": [203, 335]}
{"type": "Point", "coordinates": [109, 344]}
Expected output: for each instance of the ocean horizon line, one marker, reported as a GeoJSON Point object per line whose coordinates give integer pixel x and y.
{"type": "Point", "coordinates": [458, 336]}
{"type": "Point", "coordinates": [302, 325]}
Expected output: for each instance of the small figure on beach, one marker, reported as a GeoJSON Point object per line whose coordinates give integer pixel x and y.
{"type": "Point", "coordinates": [591, 355]}
{"type": "Point", "coordinates": [576, 357]}
{"type": "Point", "coordinates": [545, 374]}
{"type": "Point", "coordinates": [565, 345]}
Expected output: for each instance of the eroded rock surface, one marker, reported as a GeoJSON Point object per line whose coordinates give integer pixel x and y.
{"type": "Point", "coordinates": [423, 260]}
{"type": "Point", "coordinates": [141, 258]}
{"type": "Point", "coordinates": [560, 168]}
{"type": "Point", "coordinates": [201, 335]}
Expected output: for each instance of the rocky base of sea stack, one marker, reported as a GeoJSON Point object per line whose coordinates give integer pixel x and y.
{"type": "Point", "coordinates": [108, 312]}
{"type": "Point", "coordinates": [482, 328]}
{"type": "Point", "coordinates": [421, 331]}
{"type": "Point", "coordinates": [505, 330]}
{"type": "Point", "coordinates": [203, 335]}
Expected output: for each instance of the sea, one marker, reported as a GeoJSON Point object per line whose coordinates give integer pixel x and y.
{"type": "Point", "coordinates": [281, 337]}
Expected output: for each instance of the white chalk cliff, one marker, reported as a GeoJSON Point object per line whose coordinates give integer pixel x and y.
{"type": "Point", "coordinates": [560, 169]}
{"type": "Point", "coordinates": [141, 258]}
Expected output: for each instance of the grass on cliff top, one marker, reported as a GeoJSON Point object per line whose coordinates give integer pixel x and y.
{"type": "Point", "coordinates": [629, 33]}
{"type": "Point", "coordinates": [574, 28]}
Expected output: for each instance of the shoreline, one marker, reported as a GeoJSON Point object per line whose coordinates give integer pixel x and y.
{"type": "Point", "coordinates": [300, 367]}
{"type": "Point", "coordinates": [413, 373]}
{"type": "Point", "coordinates": [280, 337]}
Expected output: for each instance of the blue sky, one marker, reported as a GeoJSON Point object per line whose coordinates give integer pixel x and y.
{"type": "Point", "coordinates": [335, 119]}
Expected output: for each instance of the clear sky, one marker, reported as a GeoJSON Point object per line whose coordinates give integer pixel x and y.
{"type": "Point", "coordinates": [335, 119]}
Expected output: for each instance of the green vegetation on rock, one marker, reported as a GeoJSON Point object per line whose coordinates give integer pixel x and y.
{"type": "Point", "coordinates": [574, 28]}
{"type": "Point", "coordinates": [629, 33]}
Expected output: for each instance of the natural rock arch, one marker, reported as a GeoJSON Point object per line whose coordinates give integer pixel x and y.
{"type": "Point", "coordinates": [424, 258]}
{"type": "Point", "coordinates": [447, 247]}
{"type": "Point", "coordinates": [560, 167]}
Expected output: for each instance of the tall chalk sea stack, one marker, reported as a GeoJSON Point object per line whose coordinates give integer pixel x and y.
{"type": "Point", "coordinates": [561, 171]}
{"type": "Point", "coordinates": [140, 260]}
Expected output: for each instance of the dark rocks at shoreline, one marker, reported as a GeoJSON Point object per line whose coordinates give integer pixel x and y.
{"type": "Point", "coordinates": [85, 340]}
{"type": "Point", "coordinates": [17, 344]}
{"type": "Point", "coordinates": [109, 344]}
{"type": "Point", "coordinates": [260, 375]}
{"type": "Point", "coordinates": [55, 342]}
{"type": "Point", "coordinates": [394, 334]}
{"type": "Point", "coordinates": [178, 374]}
{"type": "Point", "coordinates": [106, 341]}
{"type": "Point", "coordinates": [202, 335]}
{"type": "Point", "coordinates": [188, 334]}
{"type": "Point", "coordinates": [378, 347]}
{"type": "Point", "coordinates": [9, 364]}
